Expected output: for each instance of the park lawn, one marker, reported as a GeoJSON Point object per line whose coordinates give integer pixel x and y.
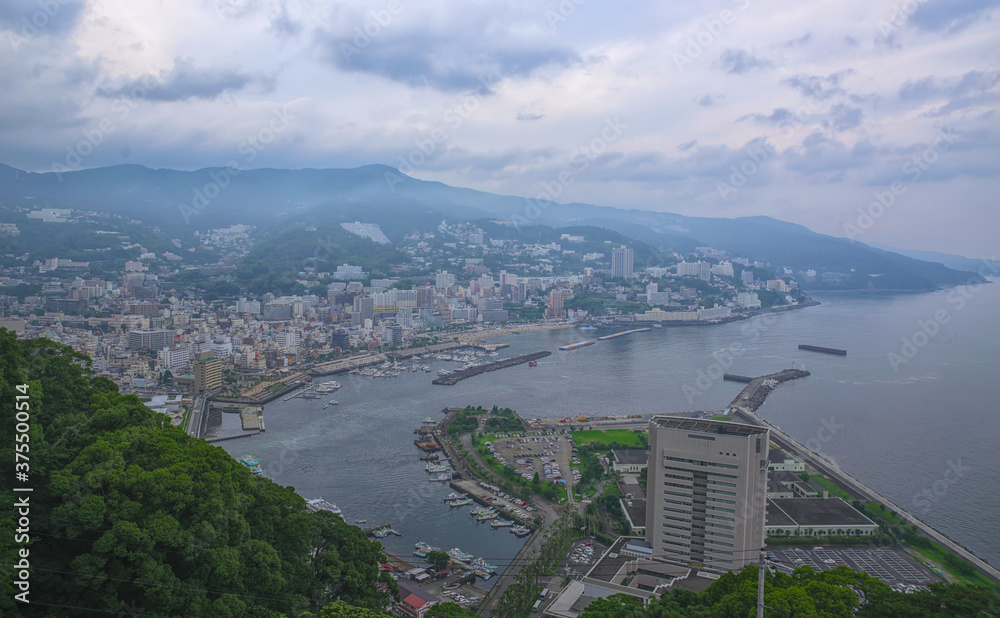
{"type": "Point", "coordinates": [622, 436]}
{"type": "Point", "coordinates": [721, 418]}
{"type": "Point", "coordinates": [936, 553]}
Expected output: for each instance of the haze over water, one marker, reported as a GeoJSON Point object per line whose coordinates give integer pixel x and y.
{"type": "Point", "coordinates": [897, 432]}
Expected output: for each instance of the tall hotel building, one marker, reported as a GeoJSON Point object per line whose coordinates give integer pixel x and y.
{"type": "Point", "coordinates": [706, 492]}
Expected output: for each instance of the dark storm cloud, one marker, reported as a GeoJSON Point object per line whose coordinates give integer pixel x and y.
{"type": "Point", "coordinates": [950, 15]}
{"type": "Point", "coordinates": [740, 61]}
{"type": "Point", "coordinates": [185, 81]}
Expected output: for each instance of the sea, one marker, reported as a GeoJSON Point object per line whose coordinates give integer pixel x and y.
{"type": "Point", "coordinates": [911, 411]}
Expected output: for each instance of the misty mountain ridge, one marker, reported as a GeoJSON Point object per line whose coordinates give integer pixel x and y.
{"type": "Point", "coordinates": [180, 202]}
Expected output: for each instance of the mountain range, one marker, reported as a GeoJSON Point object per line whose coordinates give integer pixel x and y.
{"type": "Point", "coordinates": [180, 202]}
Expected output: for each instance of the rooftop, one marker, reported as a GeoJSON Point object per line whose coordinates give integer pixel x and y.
{"type": "Point", "coordinates": [725, 428]}
{"type": "Point", "coordinates": [820, 512]}
{"type": "Point", "coordinates": [630, 456]}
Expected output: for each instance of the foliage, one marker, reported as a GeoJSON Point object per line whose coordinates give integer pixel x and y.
{"type": "Point", "coordinates": [835, 593]}
{"type": "Point", "coordinates": [438, 558]}
{"type": "Point", "coordinates": [138, 515]}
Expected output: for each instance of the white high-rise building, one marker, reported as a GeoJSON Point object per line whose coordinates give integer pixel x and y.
{"type": "Point", "coordinates": [707, 491]}
{"type": "Point", "coordinates": [443, 280]}
{"type": "Point", "coordinates": [622, 261]}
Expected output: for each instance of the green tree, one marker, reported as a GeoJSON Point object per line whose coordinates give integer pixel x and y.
{"type": "Point", "coordinates": [438, 559]}
{"type": "Point", "coordinates": [449, 610]}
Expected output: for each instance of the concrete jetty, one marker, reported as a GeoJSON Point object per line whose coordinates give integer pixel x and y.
{"type": "Point", "coordinates": [818, 348]}
{"type": "Point", "coordinates": [454, 378]}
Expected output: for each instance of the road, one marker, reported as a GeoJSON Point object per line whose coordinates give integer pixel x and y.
{"type": "Point", "coordinates": [194, 419]}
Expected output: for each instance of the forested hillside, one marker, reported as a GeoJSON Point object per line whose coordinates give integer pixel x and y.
{"type": "Point", "coordinates": [129, 515]}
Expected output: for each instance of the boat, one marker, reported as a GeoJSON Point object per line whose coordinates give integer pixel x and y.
{"type": "Point", "coordinates": [487, 516]}
{"type": "Point", "coordinates": [502, 523]}
{"type": "Point", "coordinates": [588, 328]}
{"type": "Point", "coordinates": [421, 549]}
{"type": "Point", "coordinates": [454, 496]}
{"type": "Point", "coordinates": [578, 344]}
{"type": "Point", "coordinates": [533, 364]}
{"type": "Point", "coordinates": [520, 531]}
{"type": "Point", "coordinates": [252, 465]}
{"type": "Point", "coordinates": [460, 502]}
{"type": "Point", "coordinates": [447, 476]}
{"type": "Point", "coordinates": [429, 421]}
{"type": "Point", "coordinates": [332, 402]}
{"type": "Point", "coordinates": [319, 504]}
{"type": "Point", "coordinates": [443, 372]}
{"type": "Point", "coordinates": [437, 467]}
{"type": "Point", "coordinates": [458, 555]}
{"type": "Point", "coordinates": [482, 510]}
{"type": "Point", "coordinates": [481, 565]}
{"type": "Point", "coordinates": [361, 521]}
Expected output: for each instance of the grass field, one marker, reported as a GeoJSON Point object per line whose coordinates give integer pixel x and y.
{"type": "Point", "coordinates": [622, 436]}
{"type": "Point", "coordinates": [831, 487]}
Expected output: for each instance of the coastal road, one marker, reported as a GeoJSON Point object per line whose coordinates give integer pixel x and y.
{"type": "Point", "coordinates": [198, 405]}
{"type": "Point", "coordinates": [856, 487]}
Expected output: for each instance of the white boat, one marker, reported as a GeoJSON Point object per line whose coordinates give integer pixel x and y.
{"type": "Point", "coordinates": [429, 421]}
{"type": "Point", "coordinates": [332, 402]}
{"type": "Point", "coordinates": [319, 504]}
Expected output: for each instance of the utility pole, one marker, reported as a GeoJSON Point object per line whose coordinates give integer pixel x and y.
{"type": "Point", "coordinates": [760, 585]}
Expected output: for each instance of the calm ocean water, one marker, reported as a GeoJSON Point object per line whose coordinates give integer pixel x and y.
{"type": "Point", "coordinates": [898, 427]}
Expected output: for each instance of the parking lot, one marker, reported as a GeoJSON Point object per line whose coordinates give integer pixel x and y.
{"type": "Point", "coordinates": [892, 566]}
{"type": "Point", "coordinates": [580, 557]}
{"type": "Point", "coordinates": [550, 454]}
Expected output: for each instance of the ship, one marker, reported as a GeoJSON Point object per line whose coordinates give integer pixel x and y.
{"type": "Point", "coordinates": [487, 516]}
{"type": "Point", "coordinates": [481, 565]}
{"type": "Point", "coordinates": [502, 523]}
{"type": "Point", "coordinates": [421, 549]}
{"type": "Point", "coordinates": [454, 496]}
{"type": "Point", "coordinates": [578, 344]}
{"type": "Point", "coordinates": [252, 465]}
{"type": "Point", "coordinates": [447, 476]}
{"type": "Point", "coordinates": [458, 555]}
{"type": "Point", "coordinates": [533, 364]}
{"type": "Point", "coordinates": [438, 467]}
{"type": "Point", "coordinates": [319, 504]}
{"type": "Point", "coordinates": [460, 502]}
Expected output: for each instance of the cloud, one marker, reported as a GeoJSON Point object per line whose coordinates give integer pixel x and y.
{"type": "Point", "coordinates": [529, 116]}
{"type": "Point", "coordinates": [29, 18]}
{"type": "Point", "coordinates": [185, 81]}
{"type": "Point", "coordinates": [283, 25]}
{"type": "Point", "coordinates": [844, 117]}
{"type": "Point", "coordinates": [740, 61]}
{"type": "Point", "coordinates": [687, 145]}
{"type": "Point", "coordinates": [453, 51]}
{"type": "Point", "coordinates": [950, 16]}
{"type": "Point", "coordinates": [822, 88]}
{"type": "Point", "coordinates": [706, 101]}
{"type": "Point", "coordinates": [973, 89]}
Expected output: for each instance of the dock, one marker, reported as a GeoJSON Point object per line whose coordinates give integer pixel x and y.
{"type": "Point", "coordinates": [456, 377]}
{"type": "Point", "coordinates": [817, 348]}
{"type": "Point", "coordinates": [623, 333]}
{"type": "Point", "coordinates": [252, 418]}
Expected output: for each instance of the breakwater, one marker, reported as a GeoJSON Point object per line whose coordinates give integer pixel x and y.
{"type": "Point", "coordinates": [732, 377]}
{"type": "Point", "coordinates": [460, 375]}
{"type": "Point", "coordinates": [754, 394]}
{"type": "Point", "coordinates": [817, 348]}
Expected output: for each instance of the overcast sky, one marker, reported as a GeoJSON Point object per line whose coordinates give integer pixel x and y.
{"type": "Point", "coordinates": [646, 104]}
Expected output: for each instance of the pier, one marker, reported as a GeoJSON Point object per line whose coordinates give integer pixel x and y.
{"type": "Point", "coordinates": [232, 437]}
{"type": "Point", "coordinates": [456, 377]}
{"type": "Point", "coordinates": [817, 348]}
{"type": "Point", "coordinates": [754, 394]}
